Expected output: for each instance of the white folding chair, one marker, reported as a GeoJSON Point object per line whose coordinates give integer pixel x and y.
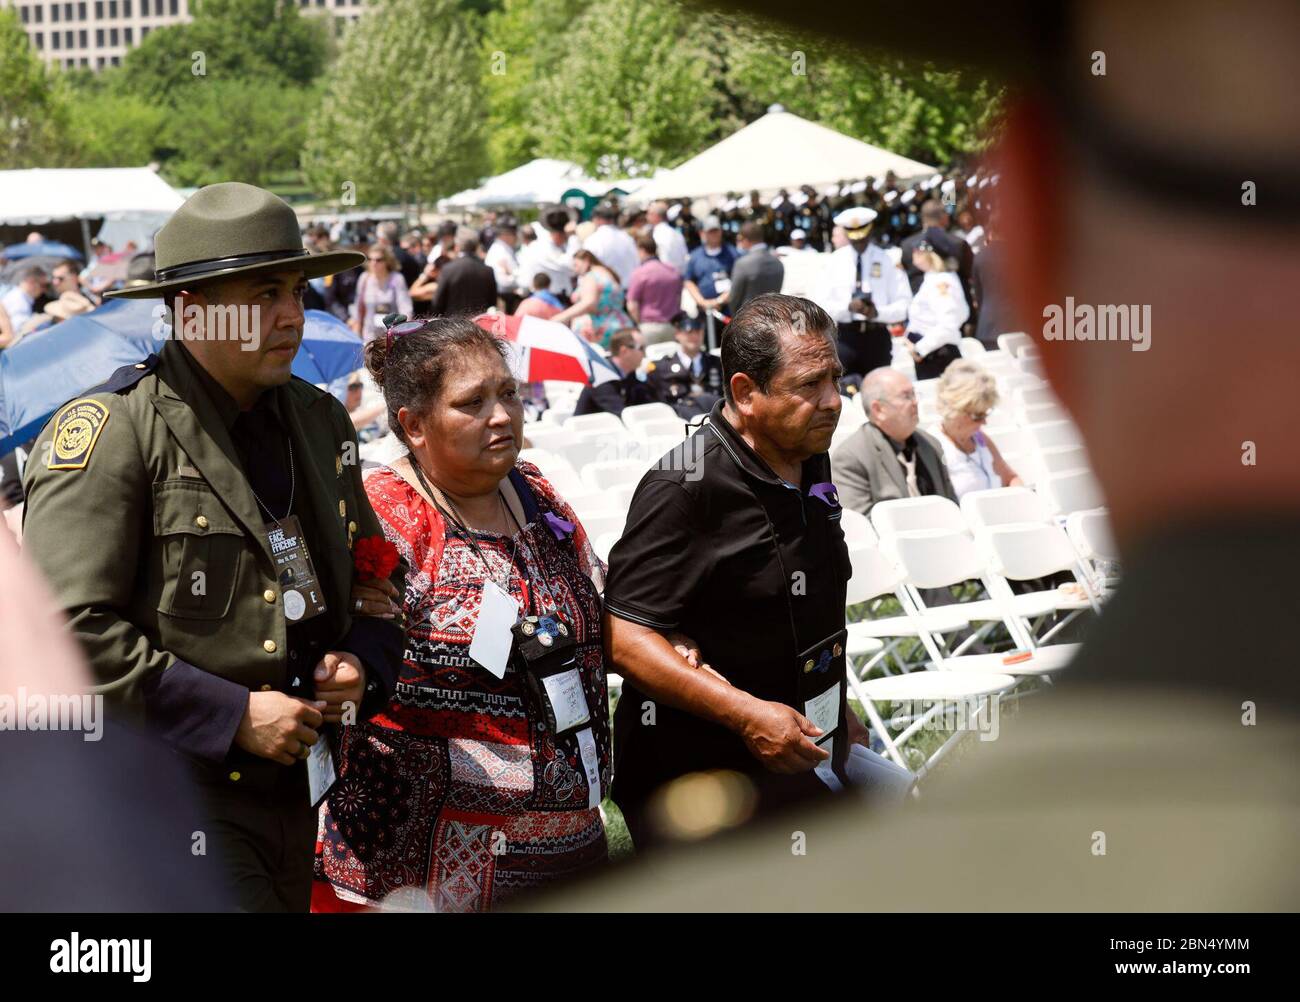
{"type": "Point", "coordinates": [1063, 459]}
{"type": "Point", "coordinates": [603, 543]}
{"type": "Point", "coordinates": [857, 528]}
{"type": "Point", "coordinates": [603, 422]}
{"type": "Point", "coordinates": [942, 689]}
{"type": "Point", "coordinates": [1072, 491]}
{"type": "Point", "coordinates": [877, 637]}
{"type": "Point", "coordinates": [546, 461]}
{"type": "Point", "coordinates": [904, 514]}
{"type": "Point", "coordinates": [541, 435]}
{"type": "Point", "coordinates": [639, 414]}
{"type": "Point", "coordinates": [601, 476]}
{"type": "Point", "coordinates": [669, 427]}
{"type": "Point", "coordinates": [940, 558]}
{"type": "Point", "coordinates": [1002, 505]}
{"type": "Point", "coordinates": [1012, 343]}
{"type": "Point", "coordinates": [1053, 433]}
{"type": "Point", "coordinates": [1026, 551]}
{"type": "Point", "coordinates": [972, 348]}
{"type": "Point", "coordinates": [1093, 541]}
{"type": "Point", "coordinates": [599, 444]}
{"type": "Point", "coordinates": [599, 524]}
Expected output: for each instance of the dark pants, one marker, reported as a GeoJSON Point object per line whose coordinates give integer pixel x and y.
{"type": "Point", "coordinates": [932, 366]}
{"type": "Point", "coordinates": [266, 841]}
{"type": "Point", "coordinates": [864, 346]}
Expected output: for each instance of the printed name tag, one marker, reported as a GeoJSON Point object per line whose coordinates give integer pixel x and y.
{"type": "Point", "coordinates": [497, 614]}
{"type": "Point", "coordinates": [564, 690]}
{"type": "Point", "coordinates": [320, 770]}
{"type": "Point", "coordinates": [590, 765]}
{"type": "Point", "coordinates": [299, 586]}
{"type": "Point", "coordinates": [824, 712]}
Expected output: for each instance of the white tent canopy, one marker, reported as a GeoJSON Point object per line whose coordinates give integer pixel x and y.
{"type": "Point", "coordinates": [533, 183]}
{"type": "Point", "coordinates": [779, 150]}
{"type": "Point", "coordinates": [46, 195]}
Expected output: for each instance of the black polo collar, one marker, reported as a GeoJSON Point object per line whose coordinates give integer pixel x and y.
{"type": "Point", "coordinates": [750, 462]}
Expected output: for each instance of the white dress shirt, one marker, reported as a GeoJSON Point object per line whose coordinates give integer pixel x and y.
{"type": "Point", "coordinates": [543, 255]}
{"type": "Point", "coordinates": [873, 271]}
{"type": "Point", "coordinates": [670, 246]}
{"type": "Point", "coordinates": [938, 311]}
{"type": "Point", "coordinates": [500, 257]}
{"type": "Point", "coordinates": [616, 250]}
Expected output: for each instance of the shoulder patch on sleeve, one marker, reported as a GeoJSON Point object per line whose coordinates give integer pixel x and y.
{"type": "Point", "coordinates": [76, 430]}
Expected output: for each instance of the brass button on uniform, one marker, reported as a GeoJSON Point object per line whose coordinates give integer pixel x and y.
{"type": "Point", "coordinates": [352, 527]}
{"type": "Point", "coordinates": [141, 365]}
{"type": "Point", "coordinates": [234, 777]}
{"type": "Point", "coordinates": [343, 509]}
{"type": "Point", "coordinates": [266, 687]}
{"type": "Point", "coordinates": [201, 521]}
{"type": "Point", "coordinates": [269, 595]}
{"type": "Point", "coordinates": [268, 646]}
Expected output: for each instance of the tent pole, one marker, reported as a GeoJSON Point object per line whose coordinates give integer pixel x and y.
{"type": "Point", "coordinates": [85, 239]}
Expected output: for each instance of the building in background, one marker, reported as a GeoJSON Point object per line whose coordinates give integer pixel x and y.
{"type": "Point", "coordinates": [92, 34]}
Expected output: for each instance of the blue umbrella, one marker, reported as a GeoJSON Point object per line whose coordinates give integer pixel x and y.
{"type": "Point", "coordinates": [51, 247]}
{"type": "Point", "coordinates": [50, 367]}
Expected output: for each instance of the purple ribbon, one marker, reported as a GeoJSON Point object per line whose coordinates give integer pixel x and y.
{"type": "Point", "coordinates": [559, 526]}
{"type": "Point", "coordinates": [825, 491]}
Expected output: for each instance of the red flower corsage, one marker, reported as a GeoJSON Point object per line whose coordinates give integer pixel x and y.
{"type": "Point", "coordinates": [374, 557]}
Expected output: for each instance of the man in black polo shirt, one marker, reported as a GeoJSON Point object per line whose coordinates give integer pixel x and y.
{"type": "Point", "coordinates": [733, 540]}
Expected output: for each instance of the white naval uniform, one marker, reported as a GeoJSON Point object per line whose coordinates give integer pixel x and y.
{"type": "Point", "coordinates": [938, 311]}
{"type": "Point", "coordinates": [891, 294]}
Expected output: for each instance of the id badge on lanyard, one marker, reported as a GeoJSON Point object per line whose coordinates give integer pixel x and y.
{"type": "Point", "coordinates": [300, 588]}
{"type": "Point", "coordinates": [820, 672]}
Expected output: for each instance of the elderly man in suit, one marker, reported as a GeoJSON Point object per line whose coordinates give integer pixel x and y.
{"type": "Point", "coordinates": [757, 272]}
{"type": "Point", "coordinates": [889, 457]}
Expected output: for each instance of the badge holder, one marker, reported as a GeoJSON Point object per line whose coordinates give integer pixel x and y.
{"type": "Point", "coordinates": [820, 670]}
{"type": "Point", "coordinates": [545, 655]}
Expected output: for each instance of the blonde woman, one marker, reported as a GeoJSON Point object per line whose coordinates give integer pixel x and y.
{"type": "Point", "coordinates": [934, 319]}
{"type": "Point", "coordinates": [966, 394]}
{"type": "Point", "coordinates": [380, 291]}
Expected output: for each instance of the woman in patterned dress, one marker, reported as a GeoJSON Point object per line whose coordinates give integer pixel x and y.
{"type": "Point", "coordinates": [459, 794]}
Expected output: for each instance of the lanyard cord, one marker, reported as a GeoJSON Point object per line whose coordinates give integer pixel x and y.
{"type": "Point", "coordinates": [291, 487]}
{"type": "Point", "coordinates": [455, 517]}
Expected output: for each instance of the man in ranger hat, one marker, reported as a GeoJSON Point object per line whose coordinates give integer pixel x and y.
{"type": "Point", "coordinates": [863, 290]}
{"type": "Point", "coordinates": [195, 515]}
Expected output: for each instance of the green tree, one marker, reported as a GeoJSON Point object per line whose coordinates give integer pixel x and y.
{"type": "Point", "coordinates": [633, 91]}
{"type": "Point", "coordinates": [34, 103]}
{"type": "Point", "coordinates": [402, 116]}
{"type": "Point", "coordinates": [911, 109]}
{"type": "Point", "coordinates": [116, 130]}
{"type": "Point", "coordinates": [228, 39]}
{"type": "Point", "coordinates": [523, 43]}
{"type": "Point", "coordinates": [271, 129]}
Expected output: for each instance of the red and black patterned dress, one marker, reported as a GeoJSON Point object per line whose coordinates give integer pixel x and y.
{"type": "Point", "coordinates": [456, 796]}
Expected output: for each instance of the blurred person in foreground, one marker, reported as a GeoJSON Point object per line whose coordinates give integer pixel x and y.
{"type": "Point", "coordinates": [542, 303]}
{"type": "Point", "coordinates": [485, 774]}
{"type": "Point", "coordinates": [733, 539]}
{"type": "Point", "coordinates": [1160, 774]}
{"type": "Point", "coordinates": [136, 854]}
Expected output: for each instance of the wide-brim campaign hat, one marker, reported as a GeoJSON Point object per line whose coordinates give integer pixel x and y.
{"type": "Point", "coordinates": [231, 229]}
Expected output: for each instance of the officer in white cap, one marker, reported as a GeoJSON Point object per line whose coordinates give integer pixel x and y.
{"type": "Point", "coordinates": [864, 291]}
